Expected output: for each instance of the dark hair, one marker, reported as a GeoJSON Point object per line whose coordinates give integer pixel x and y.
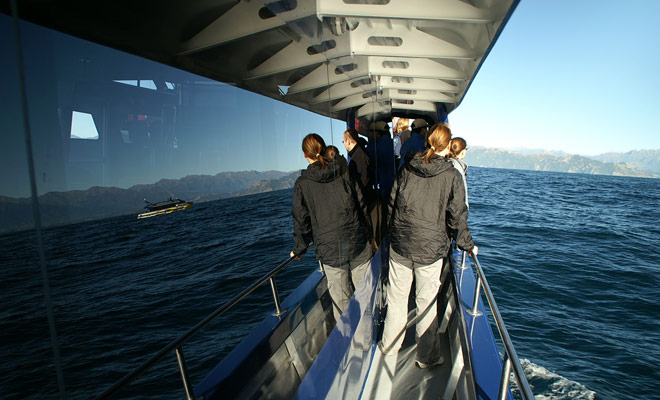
{"type": "Point", "coordinates": [438, 140]}
{"type": "Point", "coordinates": [353, 134]}
{"type": "Point", "coordinates": [313, 146]}
{"type": "Point", "coordinates": [457, 145]}
{"type": "Point", "coordinates": [331, 152]}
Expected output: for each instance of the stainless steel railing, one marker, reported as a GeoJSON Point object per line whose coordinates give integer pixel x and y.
{"type": "Point", "coordinates": [510, 357]}
{"type": "Point", "coordinates": [177, 344]}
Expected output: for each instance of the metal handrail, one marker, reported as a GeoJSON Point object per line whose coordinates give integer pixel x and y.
{"type": "Point", "coordinates": [511, 359]}
{"type": "Point", "coordinates": [177, 343]}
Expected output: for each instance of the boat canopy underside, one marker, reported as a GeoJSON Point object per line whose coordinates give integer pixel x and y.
{"type": "Point", "coordinates": [339, 58]}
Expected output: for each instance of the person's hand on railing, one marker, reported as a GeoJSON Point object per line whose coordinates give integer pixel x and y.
{"type": "Point", "coordinates": [292, 254]}
{"type": "Point", "coordinates": [475, 250]}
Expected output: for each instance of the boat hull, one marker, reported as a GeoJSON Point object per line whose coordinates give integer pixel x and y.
{"type": "Point", "coordinates": [169, 210]}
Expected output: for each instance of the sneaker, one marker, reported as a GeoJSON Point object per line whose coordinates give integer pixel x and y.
{"type": "Point", "coordinates": [437, 362]}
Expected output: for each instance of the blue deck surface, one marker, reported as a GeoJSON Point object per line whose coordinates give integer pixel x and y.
{"type": "Point", "coordinates": [356, 331]}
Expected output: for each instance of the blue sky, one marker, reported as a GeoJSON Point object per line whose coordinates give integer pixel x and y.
{"type": "Point", "coordinates": [574, 75]}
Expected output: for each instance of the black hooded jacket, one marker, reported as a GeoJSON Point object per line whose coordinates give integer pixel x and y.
{"type": "Point", "coordinates": [428, 198]}
{"type": "Point", "coordinates": [328, 210]}
{"type": "Point", "coordinates": [362, 171]}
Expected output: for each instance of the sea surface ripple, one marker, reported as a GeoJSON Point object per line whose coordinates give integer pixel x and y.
{"type": "Point", "coordinates": [572, 260]}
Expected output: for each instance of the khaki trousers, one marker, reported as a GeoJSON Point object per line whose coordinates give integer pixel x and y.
{"type": "Point", "coordinates": [343, 280]}
{"type": "Point", "coordinates": [427, 284]}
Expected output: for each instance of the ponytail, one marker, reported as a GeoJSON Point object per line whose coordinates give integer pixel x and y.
{"type": "Point", "coordinates": [428, 154]}
{"type": "Point", "coordinates": [438, 140]}
{"type": "Point", "coordinates": [313, 146]}
{"type": "Point", "coordinates": [457, 145]}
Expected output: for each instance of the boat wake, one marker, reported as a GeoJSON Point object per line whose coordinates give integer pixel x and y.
{"type": "Point", "coordinates": [548, 385]}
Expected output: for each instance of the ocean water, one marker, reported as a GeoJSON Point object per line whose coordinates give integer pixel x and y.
{"type": "Point", "coordinates": [572, 260]}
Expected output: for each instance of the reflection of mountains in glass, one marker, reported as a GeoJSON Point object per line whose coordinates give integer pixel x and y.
{"type": "Point", "coordinates": [164, 207]}
{"type": "Point", "coordinates": [102, 202]}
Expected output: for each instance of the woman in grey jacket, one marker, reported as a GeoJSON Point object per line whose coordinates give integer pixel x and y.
{"type": "Point", "coordinates": [328, 210]}
{"type": "Point", "coordinates": [457, 150]}
{"type": "Point", "coordinates": [427, 198]}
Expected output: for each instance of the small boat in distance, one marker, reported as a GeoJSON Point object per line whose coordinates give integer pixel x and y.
{"type": "Point", "coordinates": [164, 207]}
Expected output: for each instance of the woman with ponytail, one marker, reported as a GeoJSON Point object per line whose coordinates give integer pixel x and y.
{"type": "Point", "coordinates": [457, 150]}
{"type": "Point", "coordinates": [327, 211]}
{"type": "Point", "coordinates": [427, 198]}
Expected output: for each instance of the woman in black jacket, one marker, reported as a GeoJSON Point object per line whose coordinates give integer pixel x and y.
{"type": "Point", "coordinates": [327, 211]}
{"type": "Point", "coordinates": [427, 198]}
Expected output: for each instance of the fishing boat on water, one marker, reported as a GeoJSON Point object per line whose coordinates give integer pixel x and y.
{"type": "Point", "coordinates": [164, 207]}
{"type": "Point", "coordinates": [357, 61]}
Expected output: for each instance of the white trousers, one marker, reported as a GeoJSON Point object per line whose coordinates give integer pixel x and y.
{"type": "Point", "coordinates": [343, 280]}
{"type": "Point", "coordinates": [427, 284]}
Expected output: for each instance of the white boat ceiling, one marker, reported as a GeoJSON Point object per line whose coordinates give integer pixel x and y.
{"type": "Point", "coordinates": [375, 57]}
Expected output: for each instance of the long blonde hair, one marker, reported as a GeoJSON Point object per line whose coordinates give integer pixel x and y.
{"type": "Point", "coordinates": [401, 125]}
{"type": "Point", "coordinates": [438, 140]}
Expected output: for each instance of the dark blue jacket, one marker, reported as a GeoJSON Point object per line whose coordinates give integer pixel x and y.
{"type": "Point", "coordinates": [381, 151]}
{"type": "Point", "coordinates": [415, 144]}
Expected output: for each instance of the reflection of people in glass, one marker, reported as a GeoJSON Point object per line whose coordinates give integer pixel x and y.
{"type": "Point", "coordinates": [331, 152]}
{"type": "Point", "coordinates": [360, 167]}
{"type": "Point", "coordinates": [327, 210]}
{"type": "Point", "coordinates": [427, 197]}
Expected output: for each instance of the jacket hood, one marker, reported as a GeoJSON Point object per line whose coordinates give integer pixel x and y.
{"type": "Point", "coordinates": [459, 163]}
{"type": "Point", "coordinates": [420, 167]}
{"type": "Point", "coordinates": [333, 170]}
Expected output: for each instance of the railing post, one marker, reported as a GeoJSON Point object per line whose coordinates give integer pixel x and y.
{"type": "Point", "coordinates": [463, 257]}
{"type": "Point", "coordinates": [504, 379]}
{"type": "Point", "coordinates": [177, 343]}
{"type": "Point", "coordinates": [276, 297]}
{"type": "Point", "coordinates": [184, 374]}
{"type": "Point", "coordinates": [475, 302]}
{"type": "Point", "coordinates": [511, 360]}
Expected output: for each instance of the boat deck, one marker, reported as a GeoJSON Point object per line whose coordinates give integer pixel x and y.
{"type": "Point", "coordinates": [397, 377]}
{"type": "Point", "coordinates": [352, 366]}
{"type": "Point", "coordinates": [306, 354]}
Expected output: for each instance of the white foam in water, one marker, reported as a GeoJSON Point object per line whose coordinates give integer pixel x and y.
{"type": "Point", "coordinates": [548, 385]}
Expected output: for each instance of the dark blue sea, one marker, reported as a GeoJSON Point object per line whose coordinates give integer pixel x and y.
{"type": "Point", "coordinates": [572, 260]}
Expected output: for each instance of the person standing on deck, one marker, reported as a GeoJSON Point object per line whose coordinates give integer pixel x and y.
{"type": "Point", "coordinates": [327, 210]}
{"type": "Point", "coordinates": [332, 151]}
{"type": "Point", "coordinates": [401, 134]}
{"type": "Point", "coordinates": [359, 165]}
{"type": "Point", "coordinates": [428, 196]}
{"type": "Point", "coordinates": [361, 169]}
{"type": "Point", "coordinates": [416, 143]}
{"type": "Point", "coordinates": [403, 129]}
{"type": "Point", "coordinates": [381, 151]}
{"type": "Point", "coordinates": [457, 151]}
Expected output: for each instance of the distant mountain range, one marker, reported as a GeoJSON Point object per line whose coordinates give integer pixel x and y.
{"type": "Point", "coordinates": [645, 160]}
{"type": "Point", "coordinates": [101, 202]}
{"type": "Point", "coordinates": [621, 164]}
